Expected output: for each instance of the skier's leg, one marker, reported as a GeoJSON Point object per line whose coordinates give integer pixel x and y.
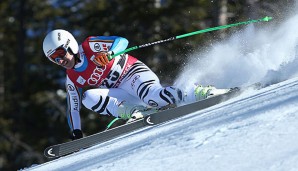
{"type": "Point", "coordinates": [115, 102]}
{"type": "Point", "coordinates": [143, 83]}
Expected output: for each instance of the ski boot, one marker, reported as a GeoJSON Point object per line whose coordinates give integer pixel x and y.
{"type": "Point", "coordinates": [199, 92]}
{"type": "Point", "coordinates": [140, 114]}
{"type": "Point", "coordinates": [132, 112]}
{"type": "Point", "coordinates": [207, 92]}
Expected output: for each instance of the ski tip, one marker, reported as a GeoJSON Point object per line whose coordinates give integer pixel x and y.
{"type": "Point", "coordinates": [148, 120]}
{"type": "Point", "coordinates": [257, 85]}
{"type": "Point", "coordinates": [51, 152]}
{"type": "Point", "coordinates": [234, 89]}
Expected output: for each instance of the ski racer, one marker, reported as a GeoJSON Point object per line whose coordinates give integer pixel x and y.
{"type": "Point", "coordinates": [123, 87]}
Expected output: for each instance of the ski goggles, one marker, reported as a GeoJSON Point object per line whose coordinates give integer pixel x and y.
{"type": "Point", "coordinates": [58, 54]}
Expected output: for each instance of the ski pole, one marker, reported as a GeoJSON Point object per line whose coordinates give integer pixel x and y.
{"type": "Point", "coordinates": [191, 34]}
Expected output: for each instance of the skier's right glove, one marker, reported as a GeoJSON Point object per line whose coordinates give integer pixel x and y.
{"type": "Point", "coordinates": [102, 58]}
{"type": "Point", "coordinates": [77, 134]}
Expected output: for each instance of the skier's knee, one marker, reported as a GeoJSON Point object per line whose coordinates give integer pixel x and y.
{"type": "Point", "coordinates": [168, 95]}
{"type": "Point", "coordinates": [172, 95]}
{"type": "Point", "coordinates": [87, 99]}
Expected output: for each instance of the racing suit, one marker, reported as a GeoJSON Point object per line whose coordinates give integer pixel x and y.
{"type": "Point", "coordinates": [124, 81]}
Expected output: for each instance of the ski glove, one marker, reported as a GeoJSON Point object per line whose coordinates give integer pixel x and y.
{"type": "Point", "coordinates": [102, 58]}
{"type": "Point", "coordinates": [77, 134]}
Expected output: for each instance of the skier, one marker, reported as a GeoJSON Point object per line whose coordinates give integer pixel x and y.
{"type": "Point", "coordinates": [123, 87]}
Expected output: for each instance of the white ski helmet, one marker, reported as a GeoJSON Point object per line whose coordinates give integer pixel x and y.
{"type": "Point", "coordinates": [58, 38]}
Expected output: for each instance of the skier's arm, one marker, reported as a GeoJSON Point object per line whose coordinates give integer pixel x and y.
{"type": "Point", "coordinates": [118, 43]}
{"type": "Point", "coordinates": [73, 108]}
{"type": "Point", "coordinates": [115, 44]}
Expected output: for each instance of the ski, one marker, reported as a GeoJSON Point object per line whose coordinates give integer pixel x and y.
{"type": "Point", "coordinates": [167, 115]}
{"type": "Point", "coordinates": [66, 148]}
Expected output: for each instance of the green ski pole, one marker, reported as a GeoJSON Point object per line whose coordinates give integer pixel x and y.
{"type": "Point", "coordinates": [191, 34]}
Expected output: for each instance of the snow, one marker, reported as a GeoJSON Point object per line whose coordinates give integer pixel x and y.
{"type": "Point", "coordinates": [254, 131]}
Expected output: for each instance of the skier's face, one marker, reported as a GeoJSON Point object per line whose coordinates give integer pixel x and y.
{"type": "Point", "coordinates": [62, 57]}
{"type": "Point", "coordinates": [68, 61]}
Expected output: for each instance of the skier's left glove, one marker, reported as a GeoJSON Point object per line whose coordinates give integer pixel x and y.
{"type": "Point", "coordinates": [102, 58]}
{"type": "Point", "coordinates": [76, 134]}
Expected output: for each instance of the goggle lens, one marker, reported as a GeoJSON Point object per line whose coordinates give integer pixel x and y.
{"type": "Point", "coordinates": [59, 53]}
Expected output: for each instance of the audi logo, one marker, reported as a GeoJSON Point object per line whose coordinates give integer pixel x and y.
{"type": "Point", "coordinates": [96, 75]}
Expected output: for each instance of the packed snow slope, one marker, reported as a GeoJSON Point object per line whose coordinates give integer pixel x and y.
{"type": "Point", "coordinates": [254, 131]}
